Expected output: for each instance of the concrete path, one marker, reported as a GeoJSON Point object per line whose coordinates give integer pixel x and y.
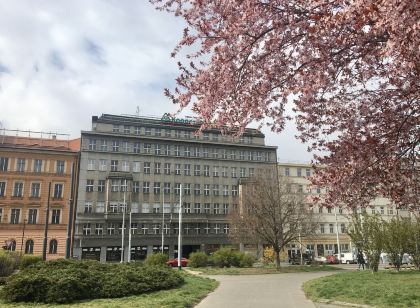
{"type": "Point", "coordinates": [274, 290]}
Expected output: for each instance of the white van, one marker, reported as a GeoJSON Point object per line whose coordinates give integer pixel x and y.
{"type": "Point", "coordinates": [348, 257]}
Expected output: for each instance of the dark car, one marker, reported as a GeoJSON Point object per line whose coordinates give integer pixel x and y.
{"type": "Point", "coordinates": [295, 259]}
{"type": "Point", "coordinates": [174, 262]}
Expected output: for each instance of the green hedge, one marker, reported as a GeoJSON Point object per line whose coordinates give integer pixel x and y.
{"type": "Point", "coordinates": [226, 257]}
{"type": "Point", "coordinates": [65, 281]}
{"type": "Point", "coordinates": [8, 263]}
{"type": "Point", "coordinates": [28, 260]}
{"type": "Point", "coordinates": [197, 259]}
{"type": "Point", "coordinates": [156, 259]}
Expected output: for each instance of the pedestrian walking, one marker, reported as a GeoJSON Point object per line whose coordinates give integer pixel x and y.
{"type": "Point", "coordinates": [361, 260]}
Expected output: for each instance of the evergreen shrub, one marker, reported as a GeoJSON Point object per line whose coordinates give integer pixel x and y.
{"type": "Point", "coordinates": [198, 259]}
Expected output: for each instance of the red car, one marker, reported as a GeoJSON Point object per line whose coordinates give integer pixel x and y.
{"type": "Point", "coordinates": [332, 260]}
{"type": "Point", "coordinates": [174, 262]}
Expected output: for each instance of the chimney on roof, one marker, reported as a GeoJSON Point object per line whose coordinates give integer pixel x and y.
{"type": "Point", "coordinates": [54, 137]}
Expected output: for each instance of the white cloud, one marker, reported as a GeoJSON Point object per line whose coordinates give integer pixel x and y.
{"type": "Point", "coordinates": [63, 61]}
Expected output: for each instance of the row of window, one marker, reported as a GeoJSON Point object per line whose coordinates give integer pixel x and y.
{"type": "Point", "coordinates": [35, 189]}
{"type": "Point", "coordinates": [187, 188]}
{"type": "Point", "coordinates": [299, 172]}
{"type": "Point", "coordinates": [187, 208]}
{"type": "Point", "coordinates": [176, 150]}
{"type": "Point", "coordinates": [332, 228]}
{"type": "Point", "coordinates": [185, 134]}
{"type": "Point", "coordinates": [154, 228]}
{"type": "Point", "coordinates": [32, 216]}
{"type": "Point", "coordinates": [22, 165]}
{"type": "Point", "coordinates": [29, 246]}
{"type": "Point", "coordinates": [168, 168]}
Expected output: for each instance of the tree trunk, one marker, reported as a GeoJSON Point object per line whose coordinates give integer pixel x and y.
{"type": "Point", "coordinates": [277, 253]}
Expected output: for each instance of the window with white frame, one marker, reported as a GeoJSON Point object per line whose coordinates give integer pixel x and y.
{"type": "Point", "coordinates": [99, 229]}
{"type": "Point", "coordinates": [157, 168]}
{"type": "Point", "coordinates": [146, 167]}
{"type": "Point", "coordinates": [207, 189]}
{"type": "Point", "coordinates": [156, 208]}
{"type": "Point", "coordinates": [242, 172]}
{"type": "Point", "coordinates": [157, 149]}
{"type": "Point", "coordinates": [144, 228]}
{"type": "Point", "coordinates": [100, 207]}
{"type": "Point", "coordinates": [136, 187]}
{"type": "Point", "coordinates": [166, 208]}
{"type": "Point", "coordinates": [197, 189]}
{"type": "Point", "coordinates": [299, 171]}
{"type": "Point", "coordinates": [225, 208]}
{"type": "Point", "coordinates": [197, 208]}
{"type": "Point", "coordinates": [92, 145]}
{"type": "Point", "coordinates": [125, 146]}
{"type": "Point", "coordinates": [4, 163]}
{"type": "Point", "coordinates": [216, 228]}
{"type": "Point", "coordinates": [215, 171]}
{"type": "Point", "coordinates": [37, 165]}
{"type": "Point", "coordinates": [89, 185]}
{"type": "Point", "coordinates": [216, 208]}
{"type": "Point", "coordinates": [168, 133]}
{"type": "Point", "coordinates": [104, 145]}
{"type": "Point", "coordinates": [113, 207]}
{"type": "Point", "coordinates": [241, 155]}
{"type": "Point", "coordinates": [177, 150]}
{"type": "Point", "coordinates": [187, 169]}
{"type": "Point", "coordinates": [136, 166]}
{"type": "Point", "coordinates": [225, 190]}
{"type": "Point", "coordinates": [177, 169]}
{"type": "Point", "coordinates": [146, 187]}
{"type": "Point", "coordinates": [88, 207]}
{"type": "Point", "coordinates": [187, 208]}
{"type": "Point", "coordinates": [114, 165]}
{"type": "Point", "coordinates": [234, 190]}
{"type": "Point", "coordinates": [147, 148]}
{"type": "Point", "coordinates": [156, 188]}
{"type": "Point", "coordinates": [125, 166]}
{"type": "Point", "coordinates": [167, 168]}
{"type": "Point", "coordinates": [187, 151]}
{"type": "Point", "coordinates": [137, 130]}
{"type": "Point", "coordinates": [18, 189]}
{"type": "Point", "coordinates": [224, 172]}
{"type": "Point", "coordinates": [166, 188]}
{"type": "Point", "coordinates": [233, 169]}
{"type": "Point", "coordinates": [206, 170]}
{"type": "Point", "coordinates": [177, 189]}
{"type": "Point", "coordinates": [251, 172]}
{"type": "Point", "coordinates": [2, 189]}
{"type": "Point", "coordinates": [148, 131]}
{"type": "Point", "coordinates": [102, 164]}
{"type": "Point", "coordinates": [206, 208]}
{"type": "Point", "coordinates": [187, 189]}
{"type": "Point", "coordinates": [101, 185]}
{"type": "Point", "coordinates": [110, 228]}
{"type": "Point", "coordinates": [20, 165]}
{"type": "Point", "coordinates": [35, 190]}
{"type": "Point", "coordinates": [86, 229]}
{"type": "Point", "coordinates": [167, 149]}
{"type": "Point", "coordinates": [197, 170]}
{"type": "Point", "coordinates": [216, 189]}
{"type": "Point", "coordinates": [15, 216]}
{"type": "Point", "coordinates": [115, 185]}
{"type": "Point", "coordinates": [126, 129]}
{"type": "Point", "coordinates": [205, 152]}
{"type": "Point", "coordinates": [115, 146]}
{"type": "Point", "coordinates": [226, 228]}
{"type": "Point", "coordinates": [136, 147]}
{"type": "Point", "coordinates": [145, 208]}
{"type": "Point", "coordinates": [215, 153]}
{"type": "Point", "coordinates": [134, 207]}
{"type": "Point", "coordinates": [322, 228]}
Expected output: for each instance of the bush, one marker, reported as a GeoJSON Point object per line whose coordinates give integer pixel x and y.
{"type": "Point", "coordinates": [28, 260]}
{"type": "Point", "coordinates": [156, 259]}
{"type": "Point", "coordinates": [7, 264]}
{"type": "Point", "coordinates": [247, 260]}
{"type": "Point", "coordinates": [198, 259]}
{"type": "Point", "coordinates": [65, 281]}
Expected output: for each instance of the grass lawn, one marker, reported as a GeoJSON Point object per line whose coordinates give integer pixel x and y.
{"type": "Point", "coordinates": [382, 289]}
{"type": "Point", "coordinates": [264, 270]}
{"type": "Point", "coordinates": [189, 294]}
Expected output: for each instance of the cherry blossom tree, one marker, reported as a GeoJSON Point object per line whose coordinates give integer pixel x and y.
{"type": "Point", "coordinates": [350, 68]}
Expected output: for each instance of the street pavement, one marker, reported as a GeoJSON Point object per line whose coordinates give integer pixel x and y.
{"type": "Point", "coordinates": [271, 290]}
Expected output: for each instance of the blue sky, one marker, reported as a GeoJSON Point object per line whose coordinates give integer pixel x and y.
{"type": "Point", "coordinates": [63, 61]}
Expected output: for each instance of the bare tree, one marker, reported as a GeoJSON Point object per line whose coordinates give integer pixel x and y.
{"type": "Point", "coordinates": [271, 212]}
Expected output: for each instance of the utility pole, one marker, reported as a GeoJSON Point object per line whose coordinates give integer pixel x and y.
{"type": "Point", "coordinates": [163, 218]}
{"type": "Point", "coordinates": [23, 235]}
{"type": "Point", "coordinates": [70, 222]}
{"type": "Point", "coordinates": [123, 223]}
{"type": "Point", "coordinates": [47, 215]}
{"type": "Point", "coordinates": [180, 229]}
{"type": "Point", "coordinates": [336, 232]}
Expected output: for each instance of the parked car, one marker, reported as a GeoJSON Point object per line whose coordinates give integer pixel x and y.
{"type": "Point", "coordinates": [348, 258]}
{"type": "Point", "coordinates": [174, 262]}
{"type": "Point", "coordinates": [295, 260]}
{"type": "Point", "coordinates": [332, 260]}
{"type": "Point", "coordinates": [320, 259]}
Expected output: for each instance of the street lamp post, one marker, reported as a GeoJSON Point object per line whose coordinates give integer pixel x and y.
{"type": "Point", "coordinates": [23, 236]}
{"type": "Point", "coordinates": [338, 239]}
{"type": "Point", "coordinates": [180, 229]}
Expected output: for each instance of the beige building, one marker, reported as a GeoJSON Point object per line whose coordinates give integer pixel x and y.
{"type": "Point", "coordinates": [333, 221]}
{"type": "Point", "coordinates": [28, 167]}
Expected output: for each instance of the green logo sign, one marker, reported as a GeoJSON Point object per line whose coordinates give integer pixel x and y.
{"type": "Point", "coordinates": [168, 118]}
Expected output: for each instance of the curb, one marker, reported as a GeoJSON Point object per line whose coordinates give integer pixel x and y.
{"type": "Point", "coordinates": [326, 303]}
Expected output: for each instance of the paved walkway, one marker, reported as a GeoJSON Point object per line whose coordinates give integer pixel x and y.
{"type": "Point", "coordinates": [274, 290]}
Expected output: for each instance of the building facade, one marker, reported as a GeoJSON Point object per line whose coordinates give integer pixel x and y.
{"type": "Point", "coordinates": [135, 172]}
{"type": "Point", "coordinates": [333, 221]}
{"type": "Point", "coordinates": [29, 169]}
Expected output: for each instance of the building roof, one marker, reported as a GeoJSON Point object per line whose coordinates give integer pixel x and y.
{"type": "Point", "coordinates": [166, 121]}
{"type": "Point", "coordinates": [52, 143]}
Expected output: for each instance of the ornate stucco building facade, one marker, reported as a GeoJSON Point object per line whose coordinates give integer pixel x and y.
{"type": "Point", "coordinates": [28, 167]}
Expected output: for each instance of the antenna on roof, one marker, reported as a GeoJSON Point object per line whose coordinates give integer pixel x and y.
{"type": "Point", "coordinates": [138, 111]}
